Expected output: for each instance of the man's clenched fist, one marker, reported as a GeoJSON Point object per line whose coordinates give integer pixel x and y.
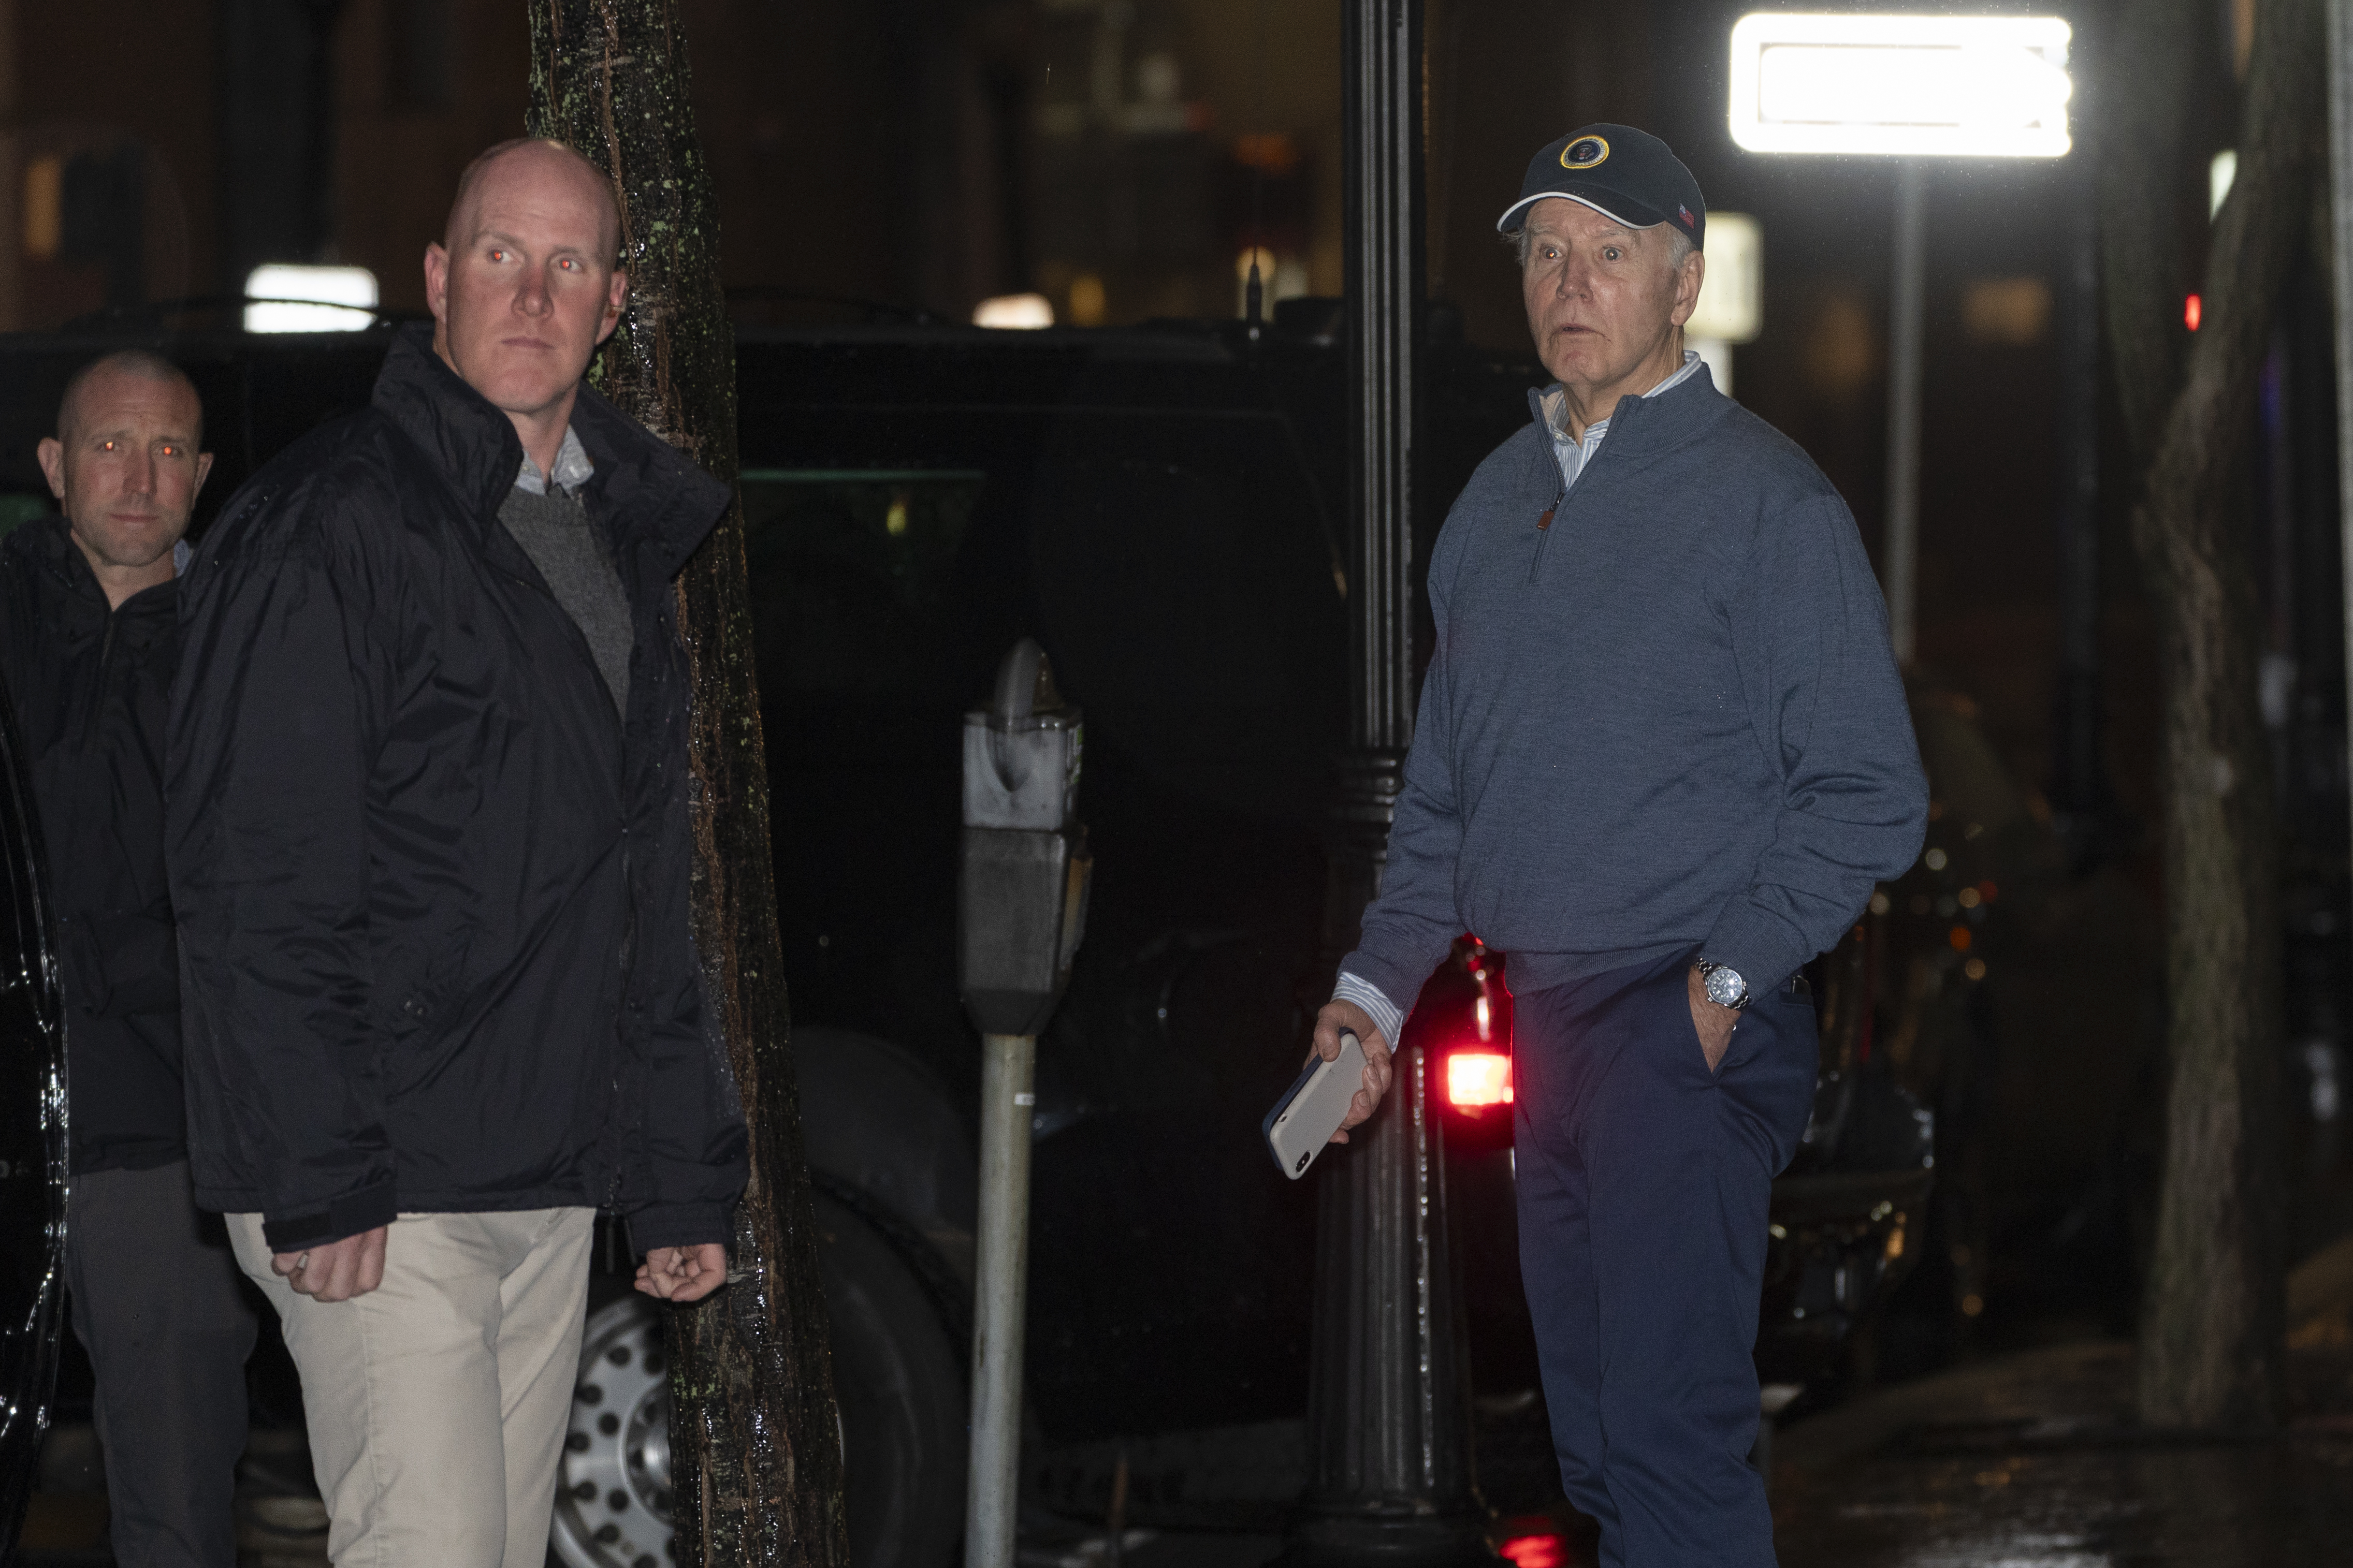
{"type": "Point", "coordinates": [336, 1271]}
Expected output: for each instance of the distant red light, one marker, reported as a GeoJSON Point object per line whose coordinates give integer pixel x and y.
{"type": "Point", "coordinates": [1475, 1078]}
{"type": "Point", "coordinates": [2191, 310]}
{"type": "Point", "coordinates": [1547, 1551]}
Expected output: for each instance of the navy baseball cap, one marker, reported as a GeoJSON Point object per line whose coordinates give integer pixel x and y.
{"type": "Point", "coordinates": [1619, 172]}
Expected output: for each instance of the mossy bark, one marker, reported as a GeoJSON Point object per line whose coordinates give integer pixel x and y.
{"type": "Point", "coordinates": [755, 1454]}
{"type": "Point", "coordinates": [2210, 1338]}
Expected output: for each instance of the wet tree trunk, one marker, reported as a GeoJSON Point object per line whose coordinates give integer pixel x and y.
{"type": "Point", "coordinates": [2211, 1344]}
{"type": "Point", "coordinates": [756, 1456]}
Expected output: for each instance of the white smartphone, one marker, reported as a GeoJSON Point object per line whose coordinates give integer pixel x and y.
{"type": "Point", "coordinates": [1301, 1125]}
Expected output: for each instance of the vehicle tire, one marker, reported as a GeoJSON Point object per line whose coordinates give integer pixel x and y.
{"type": "Point", "coordinates": [898, 1378]}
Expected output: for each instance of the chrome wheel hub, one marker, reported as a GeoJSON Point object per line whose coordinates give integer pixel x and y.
{"type": "Point", "coordinates": [613, 1499]}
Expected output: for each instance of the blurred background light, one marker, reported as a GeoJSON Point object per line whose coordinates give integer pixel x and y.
{"type": "Point", "coordinates": [1730, 307]}
{"type": "Point", "coordinates": [1020, 311]}
{"type": "Point", "coordinates": [1731, 298]}
{"type": "Point", "coordinates": [335, 299]}
{"type": "Point", "coordinates": [2219, 175]}
{"type": "Point", "coordinates": [1089, 303]}
{"type": "Point", "coordinates": [1278, 278]}
{"type": "Point", "coordinates": [2014, 313]}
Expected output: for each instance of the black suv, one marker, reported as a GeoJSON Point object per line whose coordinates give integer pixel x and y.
{"type": "Point", "coordinates": [1160, 508]}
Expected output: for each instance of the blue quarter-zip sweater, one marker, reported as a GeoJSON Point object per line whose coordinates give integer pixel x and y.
{"type": "Point", "coordinates": [1661, 716]}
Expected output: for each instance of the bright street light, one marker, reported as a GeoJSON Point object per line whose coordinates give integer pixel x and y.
{"type": "Point", "coordinates": [1957, 87]}
{"type": "Point", "coordinates": [1909, 87]}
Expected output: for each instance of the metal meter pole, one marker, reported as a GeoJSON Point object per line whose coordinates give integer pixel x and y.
{"type": "Point", "coordinates": [1007, 1095]}
{"type": "Point", "coordinates": [1022, 905]}
{"type": "Point", "coordinates": [1388, 1425]}
{"type": "Point", "coordinates": [1907, 311]}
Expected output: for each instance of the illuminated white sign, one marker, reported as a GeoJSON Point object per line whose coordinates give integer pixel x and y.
{"type": "Point", "coordinates": [331, 298]}
{"type": "Point", "coordinates": [1919, 86]}
{"type": "Point", "coordinates": [1732, 296]}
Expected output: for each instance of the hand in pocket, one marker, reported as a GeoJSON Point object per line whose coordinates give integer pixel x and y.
{"type": "Point", "coordinates": [1711, 1023]}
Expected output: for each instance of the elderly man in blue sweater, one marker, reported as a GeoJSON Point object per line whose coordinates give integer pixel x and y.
{"type": "Point", "coordinates": [1662, 756]}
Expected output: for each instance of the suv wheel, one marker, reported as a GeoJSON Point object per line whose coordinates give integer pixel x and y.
{"type": "Point", "coordinates": [897, 1376]}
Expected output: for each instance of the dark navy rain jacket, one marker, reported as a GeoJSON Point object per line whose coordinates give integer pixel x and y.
{"type": "Point", "coordinates": [88, 684]}
{"type": "Point", "coordinates": [432, 889]}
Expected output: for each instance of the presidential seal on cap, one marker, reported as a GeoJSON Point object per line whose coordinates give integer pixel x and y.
{"type": "Point", "coordinates": [1620, 172]}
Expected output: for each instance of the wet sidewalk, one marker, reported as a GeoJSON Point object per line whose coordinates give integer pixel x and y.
{"type": "Point", "coordinates": [2030, 1460]}
{"type": "Point", "coordinates": [2033, 1461]}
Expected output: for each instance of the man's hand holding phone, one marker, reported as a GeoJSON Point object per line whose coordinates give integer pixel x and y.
{"type": "Point", "coordinates": [1335, 1017]}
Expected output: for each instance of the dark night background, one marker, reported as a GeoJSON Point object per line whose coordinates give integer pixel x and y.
{"type": "Point", "coordinates": [925, 154]}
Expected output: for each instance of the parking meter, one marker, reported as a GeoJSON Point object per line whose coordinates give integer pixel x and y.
{"type": "Point", "coordinates": [1021, 906]}
{"type": "Point", "coordinates": [1022, 889]}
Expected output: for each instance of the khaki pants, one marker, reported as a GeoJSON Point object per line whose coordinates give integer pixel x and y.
{"type": "Point", "coordinates": [438, 1402]}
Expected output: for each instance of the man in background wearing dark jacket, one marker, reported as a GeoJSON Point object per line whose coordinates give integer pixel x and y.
{"type": "Point", "coordinates": [430, 849]}
{"type": "Point", "coordinates": [88, 637]}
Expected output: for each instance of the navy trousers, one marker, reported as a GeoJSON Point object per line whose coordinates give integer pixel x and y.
{"type": "Point", "coordinates": [1644, 1182]}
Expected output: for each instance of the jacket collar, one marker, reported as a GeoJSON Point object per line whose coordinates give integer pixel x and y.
{"type": "Point", "coordinates": [1663, 419]}
{"type": "Point", "coordinates": [657, 496]}
{"type": "Point", "coordinates": [650, 493]}
{"type": "Point", "coordinates": [49, 544]}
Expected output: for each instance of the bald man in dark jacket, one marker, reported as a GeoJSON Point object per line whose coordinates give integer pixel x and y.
{"type": "Point", "coordinates": [431, 845]}
{"type": "Point", "coordinates": [89, 640]}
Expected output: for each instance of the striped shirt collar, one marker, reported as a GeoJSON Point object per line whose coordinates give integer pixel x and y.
{"type": "Point", "coordinates": [1573, 456]}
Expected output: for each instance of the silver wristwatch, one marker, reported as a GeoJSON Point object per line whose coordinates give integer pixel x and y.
{"type": "Point", "coordinates": [1725, 987]}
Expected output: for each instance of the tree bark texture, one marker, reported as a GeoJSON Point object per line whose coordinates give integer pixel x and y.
{"type": "Point", "coordinates": [756, 1452]}
{"type": "Point", "coordinates": [2210, 1338]}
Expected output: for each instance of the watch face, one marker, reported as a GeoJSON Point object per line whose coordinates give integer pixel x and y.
{"type": "Point", "coordinates": [1726, 988]}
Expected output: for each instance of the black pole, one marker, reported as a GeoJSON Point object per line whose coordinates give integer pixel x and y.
{"type": "Point", "coordinates": [278, 114]}
{"type": "Point", "coordinates": [2080, 784]}
{"type": "Point", "coordinates": [319, 113]}
{"type": "Point", "coordinates": [1389, 1421]}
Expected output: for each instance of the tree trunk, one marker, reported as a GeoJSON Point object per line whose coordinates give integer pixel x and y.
{"type": "Point", "coordinates": [755, 1454]}
{"type": "Point", "coordinates": [2211, 1344]}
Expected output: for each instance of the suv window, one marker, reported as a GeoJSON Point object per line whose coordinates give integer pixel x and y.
{"type": "Point", "coordinates": [849, 573]}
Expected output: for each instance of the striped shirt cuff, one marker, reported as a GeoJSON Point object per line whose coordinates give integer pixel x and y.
{"type": "Point", "coordinates": [1377, 1006]}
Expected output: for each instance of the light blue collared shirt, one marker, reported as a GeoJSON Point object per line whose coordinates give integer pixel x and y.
{"type": "Point", "coordinates": [572, 469]}
{"type": "Point", "coordinates": [1573, 456]}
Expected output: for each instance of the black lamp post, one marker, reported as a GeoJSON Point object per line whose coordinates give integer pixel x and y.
{"type": "Point", "coordinates": [1388, 1423]}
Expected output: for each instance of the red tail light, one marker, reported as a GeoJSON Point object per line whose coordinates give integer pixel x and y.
{"type": "Point", "coordinates": [1478, 1078]}
{"type": "Point", "coordinates": [1547, 1551]}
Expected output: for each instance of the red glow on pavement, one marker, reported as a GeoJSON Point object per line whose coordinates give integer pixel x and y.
{"type": "Point", "coordinates": [1476, 1079]}
{"type": "Point", "coordinates": [1547, 1551]}
{"type": "Point", "coordinates": [2192, 310]}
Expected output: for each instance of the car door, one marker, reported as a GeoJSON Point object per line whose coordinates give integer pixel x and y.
{"type": "Point", "coordinates": [32, 1144]}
